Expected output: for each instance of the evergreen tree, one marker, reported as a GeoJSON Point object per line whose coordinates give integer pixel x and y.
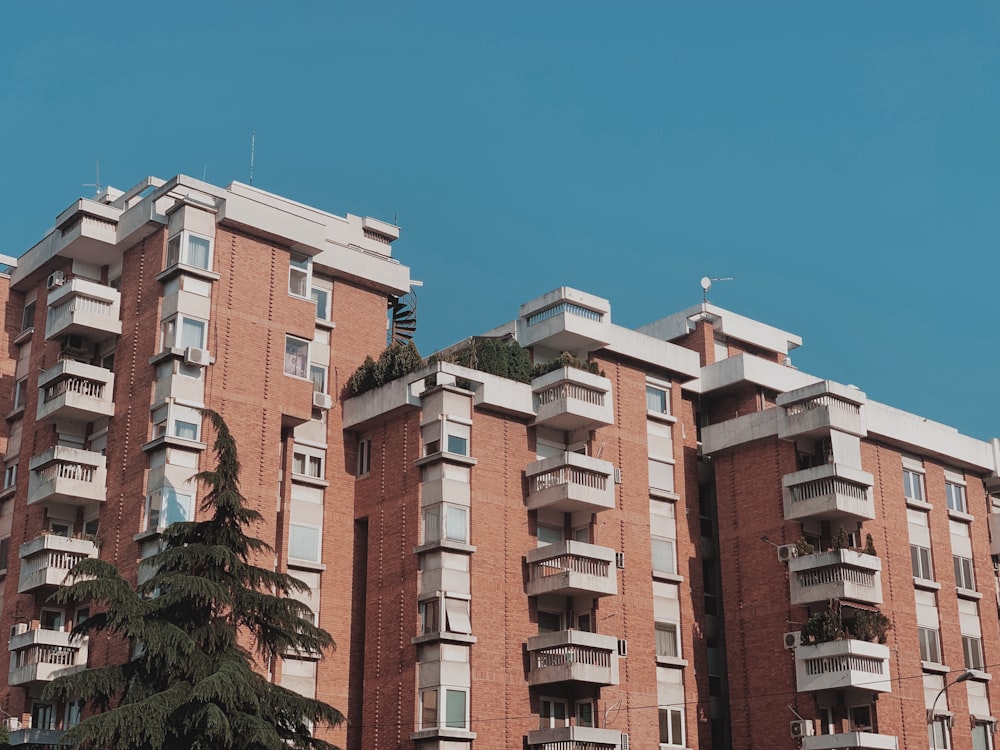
{"type": "Point", "coordinates": [191, 683]}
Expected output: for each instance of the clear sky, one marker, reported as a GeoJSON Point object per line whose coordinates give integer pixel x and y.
{"type": "Point", "coordinates": [840, 160]}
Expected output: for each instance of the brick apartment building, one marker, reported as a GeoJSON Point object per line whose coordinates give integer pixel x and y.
{"type": "Point", "coordinates": [669, 538]}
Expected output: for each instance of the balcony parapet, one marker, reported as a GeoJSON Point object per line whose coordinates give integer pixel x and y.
{"type": "Point", "coordinates": [32, 737]}
{"type": "Point", "coordinates": [75, 390]}
{"type": "Point", "coordinates": [42, 655]}
{"type": "Point", "coordinates": [48, 559]}
{"type": "Point", "coordinates": [851, 741]}
{"type": "Point", "coordinates": [839, 574]}
{"type": "Point", "coordinates": [570, 399]}
{"type": "Point", "coordinates": [565, 320]}
{"type": "Point", "coordinates": [571, 482]}
{"type": "Point", "coordinates": [68, 475]}
{"type": "Point", "coordinates": [814, 410]}
{"type": "Point", "coordinates": [86, 308]}
{"type": "Point", "coordinates": [828, 492]}
{"type": "Point", "coordinates": [575, 738]}
{"type": "Point", "coordinates": [835, 665]}
{"type": "Point", "coordinates": [572, 568]}
{"type": "Point", "coordinates": [573, 656]}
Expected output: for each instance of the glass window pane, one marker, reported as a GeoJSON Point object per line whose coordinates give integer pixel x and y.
{"type": "Point", "coordinates": [198, 249]}
{"type": "Point", "coordinates": [656, 400]}
{"type": "Point", "coordinates": [458, 445]}
{"type": "Point", "coordinates": [296, 357]}
{"type": "Point", "coordinates": [192, 333]}
{"type": "Point", "coordinates": [322, 299]}
{"type": "Point", "coordinates": [663, 555]}
{"type": "Point", "coordinates": [185, 430]}
{"type": "Point", "coordinates": [456, 523]}
{"type": "Point", "coordinates": [428, 709]}
{"type": "Point", "coordinates": [303, 542]}
{"type": "Point", "coordinates": [317, 374]}
{"type": "Point", "coordinates": [455, 708]}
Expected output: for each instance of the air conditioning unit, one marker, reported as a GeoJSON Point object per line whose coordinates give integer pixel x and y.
{"type": "Point", "coordinates": [787, 551]}
{"type": "Point", "coordinates": [196, 357]}
{"type": "Point", "coordinates": [618, 475]}
{"type": "Point", "coordinates": [801, 728]}
{"type": "Point", "coordinates": [793, 639]}
{"type": "Point", "coordinates": [322, 400]}
{"type": "Point", "coordinates": [620, 560]}
{"type": "Point", "coordinates": [12, 723]}
{"type": "Point", "coordinates": [622, 647]}
{"type": "Point", "coordinates": [18, 629]}
{"type": "Point", "coordinates": [75, 343]}
{"type": "Point", "coordinates": [56, 279]}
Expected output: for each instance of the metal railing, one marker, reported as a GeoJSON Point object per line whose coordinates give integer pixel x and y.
{"type": "Point", "coordinates": [565, 307]}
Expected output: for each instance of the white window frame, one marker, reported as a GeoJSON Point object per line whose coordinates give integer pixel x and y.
{"type": "Point", "coordinates": [441, 522]}
{"type": "Point", "coordinates": [306, 527]}
{"type": "Point", "coordinates": [939, 732]}
{"type": "Point", "coordinates": [913, 485]}
{"type": "Point", "coordinates": [9, 476]}
{"type": "Point", "coordinates": [972, 652]}
{"type": "Point", "coordinates": [662, 540]}
{"type": "Point", "coordinates": [442, 693]}
{"type": "Point", "coordinates": [663, 389]}
{"type": "Point", "coordinates": [929, 642]}
{"type": "Point", "coordinates": [157, 500]}
{"type": "Point", "coordinates": [314, 370]}
{"type": "Point", "coordinates": [308, 462]}
{"type": "Point", "coordinates": [547, 713]}
{"type": "Point", "coordinates": [965, 574]}
{"type": "Point", "coordinates": [665, 626]}
{"type": "Point", "coordinates": [364, 467]}
{"type": "Point", "coordinates": [167, 427]}
{"type": "Point", "coordinates": [300, 268]}
{"type": "Point", "coordinates": [293, 359]}
{"type": "Point", "coordinates": [179, 250]}
{"type": "Point", "coordinates": [924, 562]}
{"type": "Point", "coordinates": [955, 496]}
{"type": "Point", "coordinates": [172, 332]}
{"type": "Point", "coordinates": [671, 712]}
{"type": "Point", "coordinates": [20, 393]}
{"type": "Point", "coordinates": [322, 307]}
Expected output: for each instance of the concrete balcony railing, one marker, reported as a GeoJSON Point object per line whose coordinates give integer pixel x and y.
{"type": "Point", "coordinates": [572, 399]}
{"type": "Point", "coordinates": [77, 391]}
{"type": "Point", "coordinates": [67, 475]}
{"type": "Point", "coordinates": [47, 560]}
{"type": "Point", "coordinates": [840, 574]}
{"type": "Point", "coordinates": [573, 656]}
{"type": "Point", "coordinates": [816, 409]}
{"type": "Point", "coordinates": [572, 568]}
{"type": "Point", "coordinates": [829, 492]}
{"type": "Point", "coordinates": [31, 737]}
{"type": "Point", "coordinates": [88, 231]}
{"type": "Point", "coordinates": [575, 738]}
{"type": "Point", "coordinates": [851, 741]}
{"type": "Point", "coordinates": [571, 482]}
{"type": "Point", "coordinates": [85, 308]}
{"type": "Point", "coordinates": [565, 320]}
{"type": "Point", "coordinates": [42, 655]}
{"type": "Point", "coordinates": [836, 665]}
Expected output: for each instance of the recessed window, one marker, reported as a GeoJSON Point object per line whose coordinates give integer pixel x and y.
{"type": "Point", "coordinates": [364, 457]}
{"type": "Point", "coordinates": [307, 464]}
{"type": "Point", "coordinates": [657, 400]}
{"type": "Point", "coordinates": [585, 714]}
{"type": "Point", "coordinates": [317, 374]}
{"type": "Point", "coordinates": [913, 485]}
{"type": "Point", "coordinates": [549, 622]}
{"type": "Point", "coordinates": [9, 475]}
{"type": "Point", "coordinates": [28, 316]}
{"type": "Point", "coordinates": [930, 644]}
{"type": "Point", "coordinates": [549, 535]}
{"type": "Point", "coordinates": [296, 357]}
{"type": "Point", "coordinates": [190, 250]}
{"type": "Point", "coordinates": [298, 275]}
{"type": "Point", "coordinates": [430, 617]}
{"type": "Point", "coordinates": [920, 557]}
{"type": "Point", "coordinates": [183, 332]}
{"type": "Point", "coordinates": [456, 711]}
{"type": "Point", "coordinates": [446, 521]}
{"type": "Point", "coordinates": [322, 299]}
{"type": "Point", "coordinates": [964, 577]}
{"type": "Point", "coordinates": [554, 713]}
{"type": "Point", "coordinates": [661, 475]}
{"type": "Point", "coordinates": [20, 393]}
{"type": "Point", "coordinates": [663, 555]}
{"type": "Point", "coordinates": [972, 647]}
{"type": "Point", "coordinates": [672, 727]}
{"type": "Point", "coordinates": [303, 542]}
{"type": "Point", "coordinates": [955, 494]}
{"type": "Point", "coordinates": [166, 506]}
{"type": "Point", "coordinates": [666, 639]}
{"type": "Point", "coordinates": [178, 421]}
{"type": "Point", "coordinates": [428, 709]}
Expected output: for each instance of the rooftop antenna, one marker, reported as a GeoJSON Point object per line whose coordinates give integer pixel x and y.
{"type": "Point", "coordinates": [706, 284]}
{"type": "Point", "coordinates": [253, 141]}
{"type": "Point", "coordinates": [97, 180]}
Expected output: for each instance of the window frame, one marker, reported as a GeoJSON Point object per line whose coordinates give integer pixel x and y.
{"type": "Point", "coordinates": [300, 266]}
{"type": "Point", "coordinates": [28, 315]}
{"type": "Point", "coordinates": [181, 256]}
{"type": "Point", "coordinates": [172, 332]}
{"type": "Point", "coordinates": [167, 427]}
{"type": "Point", "coordinates": [291, 358]}
{"type": "Point", "coordinates": [662, 392]}
{"type": "Point", "coordinates": [161, 493]}
{"type": "Point", "coordinates": [955, 497]}
{"type": "Point", "coordinates": [665, 629]}
{"type": "Point", "coordinates": [324, 313]}
{"type": "Point", "coordinates": [364, 463]}
{"type": "Point", "coordinates": [929, 639]}
{"type": "Point", "coordinates": [671, 721]}
{"type": "Point", "coordinates": [923, 559]}
{"type": "Point", "coordinates": [20, 393]}
{"type": "Point", "coordinates": [310, 527]}
{"type": "Point", "coordinates": [439, 521]}
{"type": "Point", "coordinates": [9, 476]}
{"type": "Point", "coordinates": [972, 652]}
{"type": "Point", "coordinates": [964, 572]}
{"type": "Point", "coordinates": [913, 481]}
{"type": "Point", "coordinates": [311, 458]}
{"type": "Point", "coordinates": [314, 370]}
{"type": "Point", "coordinates": [656, 541]}
{"type": "Point", "coordinates": [548, 704]}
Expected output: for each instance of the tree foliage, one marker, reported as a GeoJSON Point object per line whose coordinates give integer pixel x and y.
{"type": "Point", "coordinates": [190, 682]}
{"type": "Point", "coordinates": [394, 362]}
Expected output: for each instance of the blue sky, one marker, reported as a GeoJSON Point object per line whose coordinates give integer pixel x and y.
{"type": "Point", "coordinates": [840, 160]}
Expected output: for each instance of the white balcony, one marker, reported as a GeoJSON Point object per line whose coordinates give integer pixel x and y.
{"type": "Point", "coordinates": [571, 482]}
{"type": "Point", "coordinates": [89, 232]}
{"type": "Point", "coordinates": [565, 320]}
{"type": "Point", "coordinates": [42, 655]}
{"type": "Point", "coordinates": [31, 737]}
{"type": "Point", "coordinates": [75, 391]}
{"type": "Point", "coordinates": [67, 475]}
{"type": "Point", "coordinates": [46, 560]}
{"type": "Point", "coordinates": [572, 568]}
{"type": "Point", "coordinates": [851, 741]}
{"type": "Point", "coordinates": [85, 308]}
{"type": "Point", "coordinates": [814, 410]}
{"type": "Point", "coordinates": [829, 492]}
{"type": "Point", "coordinates": [575, 738]}
{"type": "Point", "coordinates": [573, 656]}
{"type": "Point", "coordinates": [836, 665]}
{"type": "Point", "coordinates": [840, 574]}
{"type": "Point", "coordinates": [572, 399]}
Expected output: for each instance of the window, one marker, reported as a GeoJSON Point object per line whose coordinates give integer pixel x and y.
{"type": "Point", "coordinates": [296, 357]}
{"type": "Point", "coordinates": [585, 714]}
{"type": "Point", "coordinates": [549, 622]}
{"type": "Point", "coordinates": [430, 620]}
{"type": "Point", "coordinates": [913, 485]}
{"type": "Point", "coordinates": [298, 275]}
{"type": "Point", "coordinates": [554, 713]}
{"type": "Point", "coordinates": [20, 393]}
{"type": "Point", "coordinates": [183, 332]}
{"type": "Point", "coordinates": [930, 644]}
{"type": "Point", "coordinates": [956, 497]}
{"type": "Point", "coordinates": [920, 557]}
{"type": "Point", "coordinates": [661, 475]}
{"type": "Point", "coordinates": [657, 401]}
{"type": "Point", "coordinates": [964, 578]}
{"type": "Point", "coordinates": [859, 718]}
{"type": "Point", "coordinates": [446, 521]}
{"type": "Point", "coordinates": [454, 436]}
{"type": "Point", "coordinates": [671, 727]}
{"type": "Point", "coordinates": [455, 702]}
{"type": "Point", "coordinates": [663, 555]}
{"type": "Point", "coordinates": [548, 535]}
{"type": "Point", "coordinates": [9, 475]}
{"type": "Point", "coordinates": [73, 713]}
{"type": "Point", "coordinates": [322, 299]}
{"type": "Point", "coordinates": [28, 316]}
{"type": "Point", "coordinates": [458, 618]}
{"type": "Point", "coordinates": [307, 464]}
{"type": "Point", "coordinates": [364, 456]}
{"type": "Point", "coordinates": [428, 709]}
{"type": "Point", "coordinates": [937, 733]}
{"type": "Point", "coordinates": [458, 444]}
{"type": "Point", "coordinates": [166, 506]}
{"type": "Point", "coordinates": [317, 374]}
{"type": "Point", "coordinates": [972, 648]}
{"type": "Point", "coordinates": [303, 542]}
{"type": "Point", "coordinates": [190, 250]}
{"type": "Point", "coordinates": [43, 716]}
{"type": "Point", "coordinates": [666, 639]}
{"type": "Point", "coordinates": [982, 736]}
{"type": "Point", "coordinates": [178, 421]}
{"type": "Point", "coordinates": [51, 619]}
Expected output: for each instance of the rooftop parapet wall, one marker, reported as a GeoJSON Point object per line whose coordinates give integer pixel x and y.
{"type": "Point", "coordinates": [725, 322]}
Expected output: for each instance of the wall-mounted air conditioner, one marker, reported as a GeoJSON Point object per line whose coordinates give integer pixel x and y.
{"type": "Point", "coordinates": [322, 400]}
{"type": "Point", "coordinates": [196, 357]}
{"type": "Point", "coordinates": [793, 639]}
{"type": "Point", "coordinates": [801, 728]}
{"type": "Point", "coordinates": [56, 279]}
{"type": "Point", "coordinates": [787, 551]}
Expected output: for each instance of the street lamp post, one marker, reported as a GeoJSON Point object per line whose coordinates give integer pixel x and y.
{"type": "Point", "coordinates": [968, 674]}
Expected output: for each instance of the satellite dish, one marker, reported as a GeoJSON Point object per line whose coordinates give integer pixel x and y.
{"type": "Point", "coordinates": [706, 283]}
